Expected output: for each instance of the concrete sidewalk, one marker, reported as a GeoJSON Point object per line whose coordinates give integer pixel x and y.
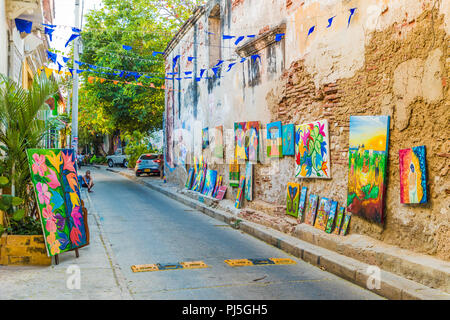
{"type": "Point", "coordinates": [329, 252]}
{"type": "Point", "coordinates": [100, 276]}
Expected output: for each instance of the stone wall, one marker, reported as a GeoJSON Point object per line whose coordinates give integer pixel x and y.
{"type": "Point", "coordinates": [392, 60]}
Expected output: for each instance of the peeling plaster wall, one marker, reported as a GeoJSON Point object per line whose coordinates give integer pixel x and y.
{"type": "Point", "coordinates": [392, 59]}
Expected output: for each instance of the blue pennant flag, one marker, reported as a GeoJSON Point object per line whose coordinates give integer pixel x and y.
{"type": "Point", "coordinates": [174, 60]}
{"type": "Point", "coordinates": [76, 30]}
{"type": "Point", "coordinates": [311, 30]}
{"type": "Point", "coordinates": [243, 60]}
{"type": "Point", "coordinates": [251, 36]}
{"type": "Point", "coordinates": [191, 58]}
{"type": "Point", "coordinates": [172, 73]}
{"type": "Point", "coordinates": [230, 66]}
{"type": "Point", "coordinates": [225, 37]}
{"type": "Point", "coordinates": [72, 37]}
{"type": "Point", "coordinates": [279, 36]}
{"type": "Point", "coordinates": [188, 73]}
{"type": "Point", "coordinates": [92, 66]}
{"type": "Point", "coordinates": [79, 63]}
{"type": "Point", "coordinates": [49, 32]}
{"type": "Point", "coordinates": [155, 53]}
{"type": "Point", "coordinates": [202, 71]}
{"type": "Point", "coordinates": [71, 71]}
{"type": "Point", "coordinates": [52, 56]}
{"type": "Point", "coordinates": [121, 73]}
{"type": "Point", "coordinates": [80, 71]}
{"type": "Point", "coordinates": [330, 21]}
{"type": "Point", "coordinates": [179, 79]}
{"type": "Point", "coordinates": [187, 78]}
{"type": "Point", "coordinates": [65, 59]}
{"type": "Point", "coordinates": [216, 69]}
{"type": "Point", "coordinates": [352, 12]}
{"type": "Point", "coordinates": [219, 63]}
{"type": "Point", "coordinates": [23, 25]}
{"type": "Point", "coordinates": [59, 67]}
{"type": "Point", "coordinates": [256, 56]}
{"type": "Point", "coordinates": [239, 40]}
{"type": "Point", "coordinates": [127, 47]}
{"type": "Point", "coordinates": [49, 25]}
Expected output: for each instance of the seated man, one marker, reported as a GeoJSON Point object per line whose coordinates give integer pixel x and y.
{"type": "Point", "coordinates": [88, 181]}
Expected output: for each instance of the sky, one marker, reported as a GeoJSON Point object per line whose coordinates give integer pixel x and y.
{"type": "Point", "coordinates": [65, 15]}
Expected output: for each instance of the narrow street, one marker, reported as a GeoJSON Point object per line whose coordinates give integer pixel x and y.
{"type": "Point", "coordinates": [145, 227]}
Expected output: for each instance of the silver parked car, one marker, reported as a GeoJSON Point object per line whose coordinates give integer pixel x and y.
{"type": "Point", "coordinates": [148, 163]}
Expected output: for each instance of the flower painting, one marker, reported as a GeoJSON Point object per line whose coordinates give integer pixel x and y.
{"type": "Point", "coordinates": [234, 174]}
{"type": "Point", "coordinates": [312, 150]}
{"type": "Point", "coordinates": [413, 175]}
{"type": "Point", "coordinates": [274, 140]}
{"type": "Point", "coordinates": [57, 192]}
{"type": "Point", "coordinates": [367, 160]}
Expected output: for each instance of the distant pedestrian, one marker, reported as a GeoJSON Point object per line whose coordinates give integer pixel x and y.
{"type": "Point", "coordinates": [88, 182]}
{"type": "Point", "coordinates": [161, 166]}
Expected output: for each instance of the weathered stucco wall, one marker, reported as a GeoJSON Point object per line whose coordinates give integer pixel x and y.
{"type": "Point", "coordinates": [392, 60]}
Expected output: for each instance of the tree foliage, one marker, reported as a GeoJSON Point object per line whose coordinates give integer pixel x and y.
{"type": "Point", "coordinates": [147, 26]}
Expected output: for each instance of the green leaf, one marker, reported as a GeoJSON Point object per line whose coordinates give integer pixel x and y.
{"type": "Point", "coordinates": [5, 202]}
{"type": "Point", "coordinates": [2, 229]}
{"type": "Point", "coordinates": [18, 215]}
{"type": "Point", "coordinates": [315, 132]}
{"type": "Point", "coordinates": [3, 181]}
{"type": "Point", "coordinates": [317, 146]}
{"type": "Point", "coordinates": [16, 201]}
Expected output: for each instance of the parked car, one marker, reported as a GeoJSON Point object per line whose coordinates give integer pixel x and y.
{"type": "Point", "coordinates": [118, 158]}
{"type": "Point", "coordinates": [148, 163]}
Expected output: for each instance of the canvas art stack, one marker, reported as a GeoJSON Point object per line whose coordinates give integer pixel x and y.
{"type": "Point", "coordinates": [55, 182]}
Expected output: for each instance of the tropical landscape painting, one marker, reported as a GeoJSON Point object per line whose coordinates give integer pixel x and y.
{"type": "Point", "coordinates": [368, 147]}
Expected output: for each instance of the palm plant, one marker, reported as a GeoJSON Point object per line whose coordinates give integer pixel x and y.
{"type": "Point", "coordinates": [21, 128]}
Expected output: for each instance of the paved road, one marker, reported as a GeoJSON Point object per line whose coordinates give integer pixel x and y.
{"type": "Point", "coordinates": [146, 227]}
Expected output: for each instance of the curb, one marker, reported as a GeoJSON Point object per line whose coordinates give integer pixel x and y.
{"type": "Point", "coordinates": [118, 276]}
{"type": "Point", "coordinates": [390, 286]}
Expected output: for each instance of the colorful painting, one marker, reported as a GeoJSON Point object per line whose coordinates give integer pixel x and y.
{"type": "Point", "coordinates": [55, 182]}
{"type": "Point", "coordinates": [322, 214]}
{"type": "Point", "coordinates": [274, 140]}
{"type": "Point", "coordinates": [346, 223]}
{"type": "Point", "coordinates": [310, 215]}
{"type": "Point", "coordinates": [218, 184]}
{"type": "Point", "coordinates": [200, 178]}
{"type": "Point", "coordinates": [252, 140]}
{"type": "Point", "coordinates": [210, 183]}
{"type": "Point", "coordinates": [331, 217]}
{"type": "Point", "coordinates": [239, 195]}
{"type": "Point", "coordinates": [205, 138]}
{"type": "Point", "coordinates": [234, 174]}
{"type": "Point", "coordinates": [239, 141]}
{"type": "Point", "coordinates": [301, 204]}
{"type": "Point", "coordinates": [368, 150]}
{"type": "Point", "coordinates": [292, 199]}
{"type": "Point", "coordinates": [190, 178]}
{"type": "Point", "coordinates": [217, 143]}
{"type": "Point", "coordinates": [221, 192]}
{"type": "Point", "coordinates": [248, 181]}
{"type": "Point", "coordinates": [312, 150]}
{"type": "Point", "coordinates": [339, 218]}
{"type": "Point", "coordinates": [413, 175]}
{"type": "Point", "coordinates": [288, 139]}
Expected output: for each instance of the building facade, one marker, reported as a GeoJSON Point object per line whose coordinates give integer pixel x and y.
{"type": "Point", "coordinates": [335, 59]}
